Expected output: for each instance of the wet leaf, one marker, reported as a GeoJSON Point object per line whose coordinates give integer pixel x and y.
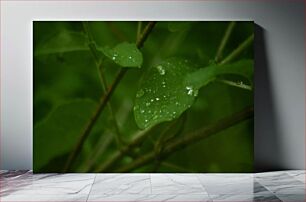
{"type": "Point", "coordinates": [170, 88]}
{"type": "Point", "coordinates": [203, 76]}
{"type": "Point", "coordinates": [162, 95]}
{"type": "Point", "coordinates": [124, 54]}
{"type": "Point", "coordinates": [58, 134]}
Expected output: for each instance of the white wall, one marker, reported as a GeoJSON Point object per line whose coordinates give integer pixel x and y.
{"type": "Point", "coordinates": [280, 73]}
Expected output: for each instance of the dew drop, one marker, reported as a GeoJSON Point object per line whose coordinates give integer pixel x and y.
{"type": "Point", "coordinates": [152, 100]}
{"type": "Point", "coordinates": [142, 111]}
{"type": "Point", "coordinates": [114, 56]}
{"type": "Point", "coordinates": [148, 104]}
{"type": "Point", "coordinates": [140, 93]}
{"type": "Point", "coordinates": [189, 90]}
{"type": "Point", "coordinates": [157, 98]}
{"type": "Point", "coordinates": [146, 120]}
{"type": "Point", "coordinates": [161, 70]}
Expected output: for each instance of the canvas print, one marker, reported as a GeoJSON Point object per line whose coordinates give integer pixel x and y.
{"type": "Point", "coordinates": [129, 96]}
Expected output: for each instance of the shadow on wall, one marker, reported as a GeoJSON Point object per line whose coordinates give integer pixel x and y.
{"type": "Point", "coordinates": [267, 146]}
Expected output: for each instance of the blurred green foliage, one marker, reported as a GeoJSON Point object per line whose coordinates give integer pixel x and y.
{"type": "Point", "coordinates": [68, 87]}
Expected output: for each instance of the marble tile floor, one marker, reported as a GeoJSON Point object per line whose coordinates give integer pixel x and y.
{"type": "Point", "coordinates": [23, 186]}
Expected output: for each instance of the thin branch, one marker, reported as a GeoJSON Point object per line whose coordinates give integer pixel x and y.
{"type": "Point", "coordinates": [238, 50]}
{"type": "Point", "coordinates": [99, 66]}
{"type": "Point", "coordinates": [145, 33]}
{"type": "Point", "coordinates": [103, 143]}
{"type": "Point", "coordinates": [115, 157]}
{"type": "Point", "coordinates": [235, 84]}
{"type": "Point", "coordinates": [224, 41]}
{"type": "Point", "coordinates": [91, 42]}
{"type": "Point", "coordinates": [164, 138]}
{"type": "Point", "coordinates": [191, 138]}
{"type": "Point", "coordinates": [103, 101]}
{"type": "Point", "coordinates": [139, 27]}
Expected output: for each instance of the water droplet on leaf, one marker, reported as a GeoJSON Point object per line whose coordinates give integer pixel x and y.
{"type": "Point", "coordinates": [240, 83]}
{"type": "Point", "coordinates": [189, 90]}
{"type": "Point", "coordinates": [140, 93]}
{"type": "Point", "coordinates": [161, 70]}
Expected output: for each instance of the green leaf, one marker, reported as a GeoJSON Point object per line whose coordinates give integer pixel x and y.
{"type": "Point", "coordinates": [178, 26]}
{"type": "Point", "coordinates": [204, 76]}
{"type": "Point", "coordinates": [124, 54]}
{"type": "Point", "coordinates": [170, 88]}
{"type": "Point", "coordinates": [65, 41]}
{"type": "Point", "coordinates": [162, 95]}
{"type": "Point", "coordinates": [58, 134]}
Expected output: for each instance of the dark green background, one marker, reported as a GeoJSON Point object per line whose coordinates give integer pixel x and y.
{"type": "Point", "coordinates": [67, 87]}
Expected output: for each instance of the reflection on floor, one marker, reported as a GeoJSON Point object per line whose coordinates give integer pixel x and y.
{"type": "Point", "coordinates": [270, 186]}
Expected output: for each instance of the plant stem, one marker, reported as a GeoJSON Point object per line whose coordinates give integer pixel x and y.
{"type": "Point", "coordinates": [118, 136]}
{"type": "Point", "coordinates": [98, 61]}
{"type": "Point", "coordinates": [91, 42]}
{"type": "Point", "coordinates": [139, 27]}
{"type": "Point", "coordinates": [235, 84]}
{"type": "Point", "coordinates": [145, 33]}
{"type": "Point", "coordinates": [238, 50]}
{"type": "Point", "coordinates": [164, 138]}
{"type": "Point", "coordinates": [103, 144]}
{"type": "Point", "coordinates": [224, 41]}
{"type": "Point", "coordinates": [138, 139]}
{"type": "Point", "coordinates": [103, 101]}
{"type": "Point", "coordinates": [191, 138]}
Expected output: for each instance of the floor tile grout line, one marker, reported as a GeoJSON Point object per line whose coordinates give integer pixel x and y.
{"type": "Point", "coordinates": [270, 192]}
{"type": "Point", "coordinates": [274, 194]}
{"type": "Point", "coordinates": [91, 187]}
